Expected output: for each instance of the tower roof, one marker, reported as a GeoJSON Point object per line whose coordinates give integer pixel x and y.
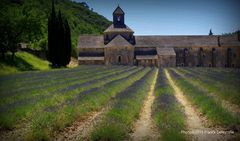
{"type": "Point", "coordinates": [119, 41]}
{"type": "Point", "coordinates": [118, 10]}
{"type": "Point", "coordinates": [112, 29]}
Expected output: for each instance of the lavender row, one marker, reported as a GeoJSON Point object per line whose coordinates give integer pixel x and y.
{"type": "Point", "coordinates": [31, 100]}
{"type": "Point", "coordinates": [53, 82]}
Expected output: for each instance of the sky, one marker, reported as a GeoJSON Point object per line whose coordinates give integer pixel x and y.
{"type": "Point", "coordinates": [174, 17]}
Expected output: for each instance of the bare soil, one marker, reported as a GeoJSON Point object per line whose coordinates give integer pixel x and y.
{"type": "Point", "coordinates": [15, 134]}
{"type": "Point", "coordinates": [80, 129]}
{"type": "Point", "coordinates": [144, 128]}
{"type": "Point", "coordinates": [196, 129]}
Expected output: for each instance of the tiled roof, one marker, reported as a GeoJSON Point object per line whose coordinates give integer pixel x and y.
{"type": "Point", "coordinates": [118, 10]}
{"type": "Point", "coordinates": [141, 57]}
{"type": "Point", "coordinates": [166, 51]}
{"type": "Point", "coordinates": [119, 41]}
{"type": "Point", "coordinates": [176, 41]}
{"type": "Point", "coordinates": [112, 29]}
{"type": "Point", "coordinates": [90, 41]}
{"type": "Point", "coordinates": [90, 58]}
{"type": "Point", "coordinates": [229, 41]}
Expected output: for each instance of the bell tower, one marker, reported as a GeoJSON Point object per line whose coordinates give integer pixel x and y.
{"type": "Point", "coordinates": [118, 27]}
{"type": "Point", "coordinates": [118, 18]}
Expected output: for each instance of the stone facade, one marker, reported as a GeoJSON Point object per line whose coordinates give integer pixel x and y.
{"type": "Point", "coordinates": [118, 45]}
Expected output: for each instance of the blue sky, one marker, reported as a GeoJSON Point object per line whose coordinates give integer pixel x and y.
{"type": "Point", "coordinates": [174, 17]}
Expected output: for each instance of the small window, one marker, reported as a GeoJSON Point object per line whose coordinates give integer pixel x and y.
{"type": "Point", "coordinates": [118, 18]}
{"type": "Point", "coordinates": [119, 59]}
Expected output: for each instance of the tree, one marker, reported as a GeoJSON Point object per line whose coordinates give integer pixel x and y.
{"type": "Point", "coordinates": [59, 39]}
{"type": "Point", "coordinates": [210, 32]}
{"type": "Point", "coordinates": [16, 27]}
{"type": "Point", "coordinates": [68, 43]}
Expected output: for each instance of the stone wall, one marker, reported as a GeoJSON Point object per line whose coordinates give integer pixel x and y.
{"type": "Point", "coordinates": [91, 52]}
{"type": "Point", "coordinates": [91, 62]}
{"type": "Point", "coordinates": [147, 62]}
{"type": "Point", "coordinates": [221, 56]}
{"type": "Point", "coordinates": [119, 55]}
{"type": "Point", "coordinates": [167, 61]}
{"type": "Point", "coordinates": [208, 56]}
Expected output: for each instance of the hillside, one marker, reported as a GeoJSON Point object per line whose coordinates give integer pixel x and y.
{"type": "Point", "coordinates": [23, 62]}
{"type": "Point", "coordinates": [82, 20]}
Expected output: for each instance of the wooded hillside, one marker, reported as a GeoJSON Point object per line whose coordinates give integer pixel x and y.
{"type": "Point", "coordinates": [82, 19]}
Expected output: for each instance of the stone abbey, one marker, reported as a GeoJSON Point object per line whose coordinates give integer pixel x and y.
{"type": "Point", "coordinates": [118, 45]}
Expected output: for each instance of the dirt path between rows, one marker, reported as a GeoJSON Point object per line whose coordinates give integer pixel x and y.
{"type": "Point", "coordinates": [144, 128]}
{"type": "Point", "coordinates": [15, 134]}
{"type": "Point", "coordinates": [233, 108]}
{"type": "Point", "coordinates": [79, 130]}
{"type": "Point", "coordinates": [195, 127]}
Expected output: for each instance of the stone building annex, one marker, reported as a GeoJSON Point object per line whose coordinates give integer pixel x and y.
{"type": "Point", "coordinates": [118, 45]}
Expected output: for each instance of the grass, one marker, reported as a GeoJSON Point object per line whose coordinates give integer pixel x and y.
{"type": "Point", "coordinates": [168, 114]}
{"type": "Point", "coordinates": [23, 61]}
{"type": "Point", "coordinates": [212, 109]}
{"type": "Point", "coordinates": [118, 121]}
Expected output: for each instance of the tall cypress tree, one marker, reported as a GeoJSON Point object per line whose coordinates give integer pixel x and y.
{"type": "Point", "coordinates": [67, 43]}
{"type": "Point", "coordinates": [59, 39]}
{"type": "Point", "coordinates": [60, 44]}
{"type": "Point", "coordinates": [52, 35]}
{"type": "Point", "coordinates": [210, 32]}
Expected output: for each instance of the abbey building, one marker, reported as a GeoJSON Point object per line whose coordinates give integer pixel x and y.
{"type": "Point", "coordinates": [118, 45]}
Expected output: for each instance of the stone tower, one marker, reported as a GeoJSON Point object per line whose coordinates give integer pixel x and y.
{"type": "Point", "coordinates": [118, 28]}
{"type": "Point", "coordinates": [118, 18]}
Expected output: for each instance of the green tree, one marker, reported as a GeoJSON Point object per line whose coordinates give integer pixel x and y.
{"type": "Point", "coordinates": [68, 43]}
{"type": "Point", "coordinates": [210, 32]}
{"type": "Point", "coordinates": [16, 27]}
{"type": "Point", "coordinates": [59, 39]}
{"type": "Point", "coordinates": [52, 20]}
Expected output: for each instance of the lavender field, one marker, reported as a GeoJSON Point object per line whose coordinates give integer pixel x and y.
{"type": "Point", "coordinates": [121, 103]}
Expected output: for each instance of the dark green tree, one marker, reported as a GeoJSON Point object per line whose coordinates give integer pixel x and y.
{"type": "Point", "coordinates": [16, 27]}
{"type": "Point", "coordinates": [210, 32]}
{"type": "Point", "coordinates": [59, 39]}
{"type": "Point", "coordinates": [68, 43]}
{"type": "Point", "coordinates": [52, 39]}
